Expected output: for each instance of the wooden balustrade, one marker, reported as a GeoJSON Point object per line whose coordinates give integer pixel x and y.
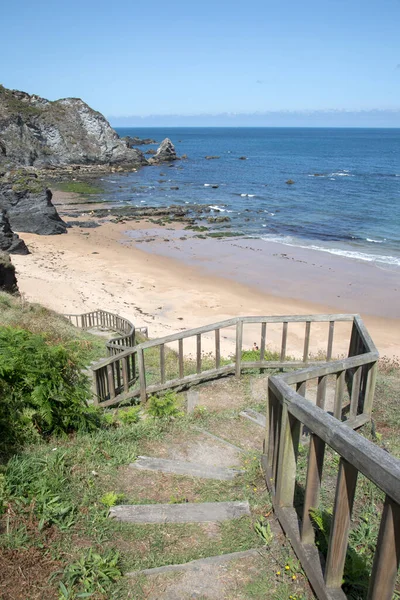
{"type": "Point", "coordinates": [288, 411]}
{"type": "Point", "coordinates": [126, 374]}
{"type": "Point", "coordinates": [107, 320]}
{"type": "Point", "coordinates": [142, 382]}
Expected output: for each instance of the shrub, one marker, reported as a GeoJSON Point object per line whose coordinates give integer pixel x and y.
{"type": "Point", "coordinates": [164, 406]}
{"type": "Point", "coordinates": [130, 415]}
{"type": "Point", "coordinates": [42, 388]}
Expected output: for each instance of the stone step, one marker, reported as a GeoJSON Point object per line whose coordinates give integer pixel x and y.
{"type": "Point", "coordinates": [254, 416]}
{"type": "Point", "coordinates": [180, 467]}
{"type": "Point", "coordinates": [206, 512]}
{"type": "Point", "coordinates": [195, 565]}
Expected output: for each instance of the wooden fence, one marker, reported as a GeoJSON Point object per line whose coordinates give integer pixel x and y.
{"type": "Point", "coordinates": [125, 375]}
{"type": "Point", "coordinates": [101, 319]}
{"type": "Point", "coordinates": [288, 411]}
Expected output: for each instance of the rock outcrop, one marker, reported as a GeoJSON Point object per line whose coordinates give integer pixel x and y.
{"type": "Point", "coordinates": [166, 152]}
{"type": "Point", "coordinates": [37, 132]}
{"type": "Point", "coordinates": [29, 206]}
{"type": "Point", "coordinates": [8, 280]}
{"type": "Point", "coordinates": [136, 141]}
{"type": "Point", "coordinates": [9, 241]}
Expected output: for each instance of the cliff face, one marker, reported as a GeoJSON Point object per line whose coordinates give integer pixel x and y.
{"type": "Point", "coordinates": [8, 280]}
{"type": "Point", "coordinates": [37, 132]}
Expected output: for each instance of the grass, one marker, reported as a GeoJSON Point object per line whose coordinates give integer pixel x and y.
{"type": "Point", "coordinates": [15, 311]}
{"type": "Point", "coordinates": [79, 187]}
{"type": "Point", "coordinates": [55, 494]}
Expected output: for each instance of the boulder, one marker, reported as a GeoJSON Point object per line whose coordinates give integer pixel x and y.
{"type": "Point", "coordinates": [8, 280]}
{"type": "Point", "coordinates": [29, 207]}
{"type": "Point", "coordinates": [9, 241]}
{"type": "Point", "coordinates": [166, 152]}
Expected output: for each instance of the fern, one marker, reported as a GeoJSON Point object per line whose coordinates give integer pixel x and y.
{"type": "Point", "coordinates": [42, 389]}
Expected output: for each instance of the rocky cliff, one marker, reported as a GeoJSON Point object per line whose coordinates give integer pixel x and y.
{"type": "Point", "coordinates": [28, 204]}
{"type": "Point", "coordinates": [9, 241]}
{"type": "Point", "coordinates": [8, 280]}
{"type": "Point", "coordinates": [37, 132]}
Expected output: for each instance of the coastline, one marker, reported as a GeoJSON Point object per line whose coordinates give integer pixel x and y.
{"type": "Point", "coordinates": [177, 285]}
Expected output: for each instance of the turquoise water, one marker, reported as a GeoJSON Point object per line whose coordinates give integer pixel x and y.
{"type": "Point", "coordinates": [345, 199]}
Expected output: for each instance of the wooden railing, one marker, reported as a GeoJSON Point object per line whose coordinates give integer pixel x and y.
{"type": "Point", "coordinates": [299, 401]}
{"type": "Point", "coordinates": [288, 412]}
{"type": "Point", "coordinates": [127, 375]}
{"type": "Point", "coordinates": [106, 320]}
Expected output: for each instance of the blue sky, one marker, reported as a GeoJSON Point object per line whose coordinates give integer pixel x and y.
{"type": "Point", "coordinates": [210, 57]}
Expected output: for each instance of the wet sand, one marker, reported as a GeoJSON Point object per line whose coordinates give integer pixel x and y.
{"type": "Point", "coordinates": [181, 284]}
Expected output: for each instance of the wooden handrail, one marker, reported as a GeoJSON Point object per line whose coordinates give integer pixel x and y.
{"type": "Point", "coordinates": [287, 412]}
{"type": "Point", "coordinates": [103, 318]}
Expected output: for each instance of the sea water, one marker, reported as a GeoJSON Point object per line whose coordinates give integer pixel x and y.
{"type": "Point", "coordinates": [345, 198]}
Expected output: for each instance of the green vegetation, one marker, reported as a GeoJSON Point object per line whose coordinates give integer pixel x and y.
{"type": "Point", "coordinates": [165, 406]}
{"type": "Point", "coordinates": [79, 187]}
{"type": "Point", "coordinates": [71, 464]}
{"type": "Point", "coordinates": [18, 106]}
{"type": "Point", "coordinates": [223, 234]}
{"type": "Point", "coordinates": [23, 181]}
{"type": "Point", "coordinates": [43, 389]}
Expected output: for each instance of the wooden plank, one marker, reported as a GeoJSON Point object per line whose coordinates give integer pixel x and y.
{"type": "Point", "coordinates": [96, 387]}
{"type": "Point", "coordinates": [370, 388]}
{"type": "Point", "coordinates": [195, 378]}
{"type": "Point", "coordinates": [198, 353]}
{"type": "Point", "coordinates": [217, 348]}
{"type": "Point", "coordinates": [339, 392]}
{"type": "Point", "coordinates": [321, 391]}
{"type": "Point", "coordinates": [355, 391]}
{"type": "Point", "coordinates": [313, 485]}
{"type": "Point", "coordinates": [363, 333]}
{"type": "Point", "coordinates": [387, 554]}
{"type": "Point", "coordinates": [188, 380]}
{"type": "Point", "coordinates": [330, 340]}
{"type": "Point", "coordinates": [125, 373]}
{"type": "Point", "coordinates": [338, 539]}
{"type": "Point", "coordinates": [263, 340]}
{"type": "Point", "coordinates": [284, 341]}
{"type": "Point", "coordinates": [239, 343]}
{"type": "Point", "coordinates": [287, 459]}
{"type": "Point", "coordinates": [306, 341]}
{"type": "Point", "coordinates": [376, 464]}
{"type": "Point", "coordinates": [299, 318]}
{"type": "Point", "coordinates": [180, 358]}
{"type": "Point", "coordinates": [331, 368]}
{"type": "Point", "coordinates": [307, 554]}
{"type": "Point", "coordinates": [142, 376]}
{"type": "Point", "coordinates": [111, 382]}
{"type": "Point", "coordinates": [162, 363]}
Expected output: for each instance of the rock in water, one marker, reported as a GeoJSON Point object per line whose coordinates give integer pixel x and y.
{"type": "Point", "coordinates": [9, 241]}
{"type": "Point", "coordinates": [8, 280]}
{"type": "Point", "coordinates": [166, 152]}
{"type": "Point", "coordinates": [37, 132]}
{"type": "Point", "coordinates": [29, 207]}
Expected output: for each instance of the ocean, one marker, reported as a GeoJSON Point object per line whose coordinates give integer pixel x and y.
{"type": "Point", "coordinates": [345, 198]}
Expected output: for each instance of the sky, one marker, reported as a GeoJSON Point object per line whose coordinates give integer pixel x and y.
{"type": "Point", "coordinates": [210, 62]}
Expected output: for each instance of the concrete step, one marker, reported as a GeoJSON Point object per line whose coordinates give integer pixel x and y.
{"type": "Point", "coordinates": [180, 467]}
{"type": "Point", "coordinates": [206, 512]}
{"type": "Point", "coordinates": [195, 565]}
{"type": "Point", "coordinates": [254, 416]}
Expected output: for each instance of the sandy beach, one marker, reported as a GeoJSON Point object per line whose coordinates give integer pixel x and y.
{"type": "Point", "coordinates": [184, 283]}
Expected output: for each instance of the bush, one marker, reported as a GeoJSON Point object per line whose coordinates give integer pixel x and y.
{"type": "Point", "coordinates": [164, 406]}
{"type": "Point", "coordinates": [42, 389]}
